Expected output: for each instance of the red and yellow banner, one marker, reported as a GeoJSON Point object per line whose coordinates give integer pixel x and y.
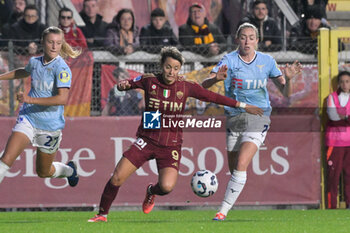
{"type": "Point", "coordinates": [80, 93]}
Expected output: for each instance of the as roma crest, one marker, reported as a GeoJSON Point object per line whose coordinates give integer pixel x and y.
{"type": "Point", "coordinates": [179, 94]}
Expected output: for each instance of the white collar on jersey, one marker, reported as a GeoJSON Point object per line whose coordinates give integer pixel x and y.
{"type": "Point", "coordinates": [246, 61]}
{"type": "Point", "coordinates": [42, 60]}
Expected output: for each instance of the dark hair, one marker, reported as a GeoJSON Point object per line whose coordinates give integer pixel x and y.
{"type": "Point", "coordinates": [157, 13]}
{"type": "Point", "coordinates": [313, 12]}
{"type": "Point", "coordinates": [172, 52]}
{"type": "Point", "coordinates": [64, 9]}
{"type": "Point", "coordinates": [342, 73]}
{"type": "Point", "coordinates": [257, 2]}
{"type": "Point", "coordinates": [121, 12]}
{"type": "Point", "coordinates": [32, 7]}
{"type": "Point", "coordinates": [88, 1]}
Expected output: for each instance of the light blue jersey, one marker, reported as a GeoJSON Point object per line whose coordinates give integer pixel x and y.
{"type": "Point", "coordinates": [246, 82]}
{"type": "Point", "coordinates": [45, 81]}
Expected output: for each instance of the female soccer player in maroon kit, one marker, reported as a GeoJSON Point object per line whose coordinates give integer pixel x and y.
{"type": "Point", "coordinates": [165, 94]}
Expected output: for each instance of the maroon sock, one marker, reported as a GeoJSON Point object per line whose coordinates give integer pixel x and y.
{"type": "Point", "coordinates": [156, 190]}
{"type": "Point", "coordinates": [108, 196]}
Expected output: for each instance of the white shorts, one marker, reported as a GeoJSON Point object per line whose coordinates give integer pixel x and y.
{"type": "Point", "coordinates": [246, 127]}
{"type": "Point", "coordinates": [46, 141]}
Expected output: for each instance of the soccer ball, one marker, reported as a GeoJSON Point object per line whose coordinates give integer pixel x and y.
{"type": "Point", "coordinates": [204, 183]}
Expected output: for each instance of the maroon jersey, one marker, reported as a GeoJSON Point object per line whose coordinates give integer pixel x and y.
{"type": "Point", "coordinates": [171, 100]}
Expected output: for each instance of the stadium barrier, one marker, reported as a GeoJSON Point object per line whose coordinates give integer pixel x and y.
{"type": "Point", "coordinates": [90, 89]}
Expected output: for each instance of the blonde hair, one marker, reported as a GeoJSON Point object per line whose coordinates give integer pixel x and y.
{"type": "Point", "coordinates": [172, 52]}
{"type": "Point", "coordinates": [244, 26]}
{"type": "Point", "coordinates": [66, 50]}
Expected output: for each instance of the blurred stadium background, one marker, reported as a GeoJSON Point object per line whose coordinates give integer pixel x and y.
{"type": "Point", "coordinates": [287, 172]}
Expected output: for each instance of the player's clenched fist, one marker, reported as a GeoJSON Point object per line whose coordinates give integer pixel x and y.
{"type": "Point", "coordinates": [20, 97]}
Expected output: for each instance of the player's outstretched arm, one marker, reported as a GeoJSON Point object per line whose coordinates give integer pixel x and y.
{"type": "Point", "coordinates": [124, 85]}
{"type": "Point", "coordinates": [215, 77]}
{"type": "Point", "coordinates": [283, 83]}
{"type": "Point", "coordinates": [200, 93]}
{"type": "Point", "coordinates": [60, 99]}
{"type": "Point", "coordinates": [15, 74]}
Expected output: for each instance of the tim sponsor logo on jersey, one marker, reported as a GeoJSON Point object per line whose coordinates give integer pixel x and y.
{"type": "Point", "coordinates": [249, 83]}
{"type": "Point", "coordinates": [153, 120]}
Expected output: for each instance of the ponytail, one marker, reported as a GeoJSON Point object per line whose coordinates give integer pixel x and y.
{"type": "Point", "coordinates": [68, 51]}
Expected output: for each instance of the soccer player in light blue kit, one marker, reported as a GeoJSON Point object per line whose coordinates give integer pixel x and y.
{"type": "Point", "coordinates": [245, 73]}
{"type": "Point", "coordinates": [41, 119]}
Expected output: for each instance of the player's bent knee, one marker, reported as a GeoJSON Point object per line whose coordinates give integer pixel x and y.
{"type": "Point", "coordinates": [166, 188]}
{"type": "Point", "coordinates": [117, 181]}
{"type": "Point", "coordinates": [242, 165]}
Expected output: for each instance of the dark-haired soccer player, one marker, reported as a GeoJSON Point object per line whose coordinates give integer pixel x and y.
{"type": "Point", "coordinates": [165, 93]}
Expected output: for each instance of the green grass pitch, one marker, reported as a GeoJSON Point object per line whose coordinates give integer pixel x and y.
{"type": "Point", "coordinates": [179, 221]}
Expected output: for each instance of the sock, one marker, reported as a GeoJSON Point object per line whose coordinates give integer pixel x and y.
{"type": "Point", "coordinates": [108, 196]}
{"type": "Point", "coordinates": [3, 169]}
{"type": "Point", "coordinates": [233, 189]}
{"type": "Point", "coordinates": [61, 170]}
{"type": "Point", "coordinates": [156, 190]}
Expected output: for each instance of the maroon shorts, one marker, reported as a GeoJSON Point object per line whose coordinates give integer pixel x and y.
{"type": "Point", "coordinates": [143, 150]}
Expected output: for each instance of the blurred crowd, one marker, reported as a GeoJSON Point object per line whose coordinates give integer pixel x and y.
{"type": "Point", "coordinates": [20, 23]}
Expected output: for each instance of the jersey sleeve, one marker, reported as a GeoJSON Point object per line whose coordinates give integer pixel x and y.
{"type": "Point", "coordinates": [198, 92]}
{"type": "Point", "coordinates": [63, 75]}
{"type": "Point", "coordinates": [332, 110]}
{"type": "Point", "coordinates": [274, 70]}
{"type": "Point", "coordinates": [138, 82]}
{"type": "Point", "coordinates": [28, 67]}
{"type": "Point", "coordinates": [223, 61]}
